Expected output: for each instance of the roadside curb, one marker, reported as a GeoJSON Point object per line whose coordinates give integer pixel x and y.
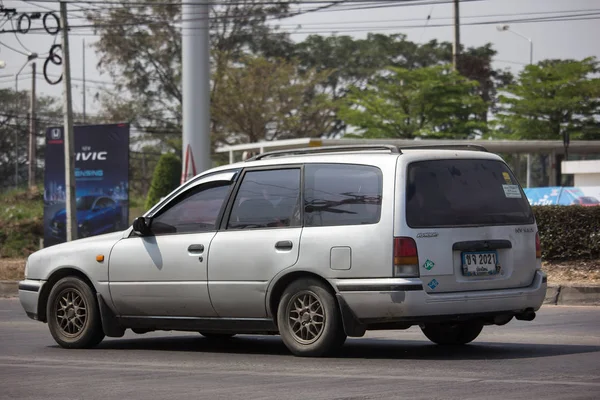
{"type": "Point", "coordinates": [568, 295]}
{"type": "Point", "coordinates": [9, 288]}
{"type": "Point", "coordinates": [573, 295]}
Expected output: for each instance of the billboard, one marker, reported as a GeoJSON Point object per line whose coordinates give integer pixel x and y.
{"type": "Point", "coordinates": [101, 181]}
{"type": "Point", "coordinates": [565, 196]}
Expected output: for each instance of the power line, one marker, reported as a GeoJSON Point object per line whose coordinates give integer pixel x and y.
{"type": "Point", "coordinates": [574, 17]}
{"type": "Point", "coordinates": [141, 4]}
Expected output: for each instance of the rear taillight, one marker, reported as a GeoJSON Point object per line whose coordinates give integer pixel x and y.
{"type": "Point", "coordinates": [406, 258]}
{"type": "Point", "coordinates": [538, 246]}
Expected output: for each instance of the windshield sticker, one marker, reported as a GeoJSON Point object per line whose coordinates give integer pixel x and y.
{"type": "Point", "coordinates": [507, 178]}
{"type": "Point", "coordinates": [428, 265]}
{"type": "Point", "coordinates": [512, 191]}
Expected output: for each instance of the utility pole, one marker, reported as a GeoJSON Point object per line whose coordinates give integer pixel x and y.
{"type": "Point", "coordinates": [196, 88]}
{"type": "Point", "coordinates": [456, 44]}
{"type": "Point", "coordinates": [68, 128]}
{"type": "Point", "coordinates": [32, 130]}
{"type": "Point", "coordinates": [83, 64]}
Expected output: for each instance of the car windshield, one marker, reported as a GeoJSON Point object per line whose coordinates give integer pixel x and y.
{"type": "Point", "coordinates": [85, 202]}
{"type": "Point", "coordinates": [464, 192]}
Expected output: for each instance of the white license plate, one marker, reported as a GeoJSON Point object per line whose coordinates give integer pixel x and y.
{"type": "Point", "coordinates": [479, 263]}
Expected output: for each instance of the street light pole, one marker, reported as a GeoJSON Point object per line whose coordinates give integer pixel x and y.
{"type": "Point", "coordinates": [30, 56]}
{"type": "Point", "coordinates": [506, 28]}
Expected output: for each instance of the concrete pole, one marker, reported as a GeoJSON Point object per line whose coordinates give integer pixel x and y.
{"type": "Point", "coordinates": [518, 166]}
{"type": "Point", "coordinates": [196, 88]}
{"type": "Point", "coordinates": [71, 226]}
{"type": "Point", "coordinates": [32, 129]}
{"type": "Point", "coordinates": [456, 44]}
{"type": "Point", "coordinates": [528, 170]}
{"type": "Point", "coordinates": [552, 161]}
{"type": "Point", "coordinates": [83, 66]}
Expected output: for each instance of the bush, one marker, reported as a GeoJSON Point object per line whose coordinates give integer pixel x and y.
{"type": "Point", "coordinates": [569, 232]}
{"type": "Point", "coordinates": [167, 177]}
{"type": "Point", "coordinates": [21, 222]}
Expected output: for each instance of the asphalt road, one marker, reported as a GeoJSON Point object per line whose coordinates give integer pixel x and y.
{"type": "Point", "coordinates": [557, 356]}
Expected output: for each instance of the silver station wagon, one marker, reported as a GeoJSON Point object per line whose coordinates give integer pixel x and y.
{"type": "Point", "coordinates": [314, 245]}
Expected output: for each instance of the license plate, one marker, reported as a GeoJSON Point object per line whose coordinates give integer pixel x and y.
{"type": "Point", "coordinates": [480, 263]}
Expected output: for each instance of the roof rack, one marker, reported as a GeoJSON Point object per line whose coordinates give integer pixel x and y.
{"type": "Point", "coordinates": [326, 149]}
{"type": "Point", "coordinates": [446, 146]}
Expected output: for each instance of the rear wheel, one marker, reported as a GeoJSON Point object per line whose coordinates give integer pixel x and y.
{"type": "Point", "coordinates": [453, 333]}
{"type": "Point", "coordinates": [73, 315]}
{"type": "Point", "coordinates": [309, 320]}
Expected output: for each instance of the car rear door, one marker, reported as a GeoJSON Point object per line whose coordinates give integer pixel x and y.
{"type": "Point", "coordinates": [260, 237]}
{"type": "Point", "coordinates": [472, 224]}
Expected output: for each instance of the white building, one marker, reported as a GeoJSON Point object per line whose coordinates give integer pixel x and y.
{"type": "Point", "coordinates": [586, 173]}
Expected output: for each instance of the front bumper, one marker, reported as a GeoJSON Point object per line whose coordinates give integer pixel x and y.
{"type": "Point", "coordinates": [394, 299]}
{"type": "Point", "coordinates": [29, 294]}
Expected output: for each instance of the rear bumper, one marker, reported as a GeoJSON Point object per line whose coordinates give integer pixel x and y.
{"type": "Point", "coordinates": [29, 293]}
{"type": "Point", "coordinates": [389, 300]}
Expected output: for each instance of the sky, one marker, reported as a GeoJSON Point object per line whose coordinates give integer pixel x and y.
{"type": "Point", "coordinates": [555, 39]}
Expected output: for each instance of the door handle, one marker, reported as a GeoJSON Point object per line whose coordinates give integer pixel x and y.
{"type": "Point", "coordinates": [196, 248]}
{"type": "Point", "coordinates": [284, 245]}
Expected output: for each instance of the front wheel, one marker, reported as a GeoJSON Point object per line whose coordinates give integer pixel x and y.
{"type": "Point", "coordinates": [73, 315]}
{"type": "Point", "coordinates": [309, 320]}
{"type": "Point", "coordinates": [453, 333]}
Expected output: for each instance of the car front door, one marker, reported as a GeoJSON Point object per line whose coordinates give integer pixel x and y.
{"type": "Point", "coordinates": [260, 237]}
{"type": "Point", "coordinates": [165, 273]}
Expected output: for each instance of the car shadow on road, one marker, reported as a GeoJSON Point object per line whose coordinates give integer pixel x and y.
{"type": "Point", "coordinates": [359, 348]}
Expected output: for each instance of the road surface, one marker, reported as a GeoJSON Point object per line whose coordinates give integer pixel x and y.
{"type": "Point", "coordinates": [557, 356]}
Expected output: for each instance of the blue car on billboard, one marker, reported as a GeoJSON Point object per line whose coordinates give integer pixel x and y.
{"type": "Point", "coordinates": [95, 215]}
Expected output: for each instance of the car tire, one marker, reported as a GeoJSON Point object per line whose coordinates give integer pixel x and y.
{"type": "Point", "coordinates": [309, 319]}
{"type": "Point", "coordinates": [452, 334]}
{"type": "Point", "coordinates": [73, 315]}
{"type": "Point", "coordinates": [217, 336]}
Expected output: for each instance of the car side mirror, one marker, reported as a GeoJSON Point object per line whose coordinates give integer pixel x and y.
{"type": "Point", "coordinates": [141, 226]}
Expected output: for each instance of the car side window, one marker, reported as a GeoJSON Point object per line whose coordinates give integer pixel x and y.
{"type": "Point", "coordinates": [195, 210]}
{"type": "Point", "coordinates": [267, 199]}
{"type": "Point", "coordinates": [342, 194]}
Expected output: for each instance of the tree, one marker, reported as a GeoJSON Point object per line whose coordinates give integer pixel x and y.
{"type": "Point", "coordinates": [354, 62]}
{"type": "Point", "coordinates": [432, 102]}
{"type": "Point", "coordinates": [552, 99]}
{"type": "Point", "coordinates": [263, 99]}
{"type": "Point", "coordinates": [166, 178]}
{"type": "Point", "coordinates": [140, 47]}
{"type": "Point", "coordinates": [14, 133]}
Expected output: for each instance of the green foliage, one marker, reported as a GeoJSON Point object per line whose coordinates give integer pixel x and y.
{"type": "Point", "coordinates": [569, 232]}
{"type": "Point", "coordinates": [551, 99]}
{"type": "Point", "coordinates": [21, 222]}
{"type": "Point", "coordinates": [14, 123]}
{"type": "Point", "coordinates": [167, 177]}
{"type": "Point", "coordinates": [261, 99]}
{"type": "Point", "coordinates": [432, 102]}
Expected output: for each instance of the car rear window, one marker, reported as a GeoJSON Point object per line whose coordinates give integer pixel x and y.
{"type": "Point", "coordinates": [464, 192]}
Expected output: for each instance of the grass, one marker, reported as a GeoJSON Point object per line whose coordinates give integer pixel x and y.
{"type": "Point", "coordinates": [12, 269]}
{"type": "Point", "coordinates": [21, 222]}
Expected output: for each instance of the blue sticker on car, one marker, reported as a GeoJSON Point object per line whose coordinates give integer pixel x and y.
{"type": "Point", "coordinates": [433, 284]}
